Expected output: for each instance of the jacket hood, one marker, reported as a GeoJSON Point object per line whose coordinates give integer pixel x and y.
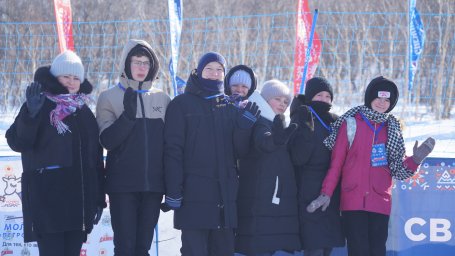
{"type": "Point", "coordinates": [227, 87]}
{"type": "Point", "coordinates": [126, 50]}
{"type": "Point", "coordinates": [50, 83]}
{"type": "Point", "coordinates": [266, 110]}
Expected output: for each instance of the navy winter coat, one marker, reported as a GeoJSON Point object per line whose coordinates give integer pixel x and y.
{"type": "Point", "coordinates": [66, 197]}
{"type": "Point", "coordinates": [202, 140]}
{"type": "Point", "coordinates": [321, 229]}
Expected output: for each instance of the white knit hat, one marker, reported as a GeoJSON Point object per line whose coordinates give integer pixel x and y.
{"type": "Point", "coordinates": [275, 88]}
{"type": "Point", "coordinates": [240, 77]}
{"type": "Point", "coordinates": [68, 63]}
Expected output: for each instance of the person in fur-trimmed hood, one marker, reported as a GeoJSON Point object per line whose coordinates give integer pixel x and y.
{"type": "Point", "coordinates": [239, 83]}
{"type": "Point", "coordinates": [367, 152]}
{"type": "Point", "coordinates": [267, 200]}
{"type": "Point", "coordinates": [130, 116]}
{"type": "Point", "coordinates": [57, 136]}
{"type": "Point", "coordinates": [319, 231]}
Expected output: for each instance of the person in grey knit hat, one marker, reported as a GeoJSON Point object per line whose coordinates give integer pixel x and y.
{"type": "Point", "coordinates": [62, 160]}
{"type": "Point", "coordinates": [68, 63]}
{"type": "Point", "coordinates": [275, 90]}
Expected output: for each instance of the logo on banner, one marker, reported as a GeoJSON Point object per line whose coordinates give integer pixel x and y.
{"type": "Point", "coordinates": [446, 180]}
{"type": "Point", "coordinates": [83, 252]}
{"type": "Point", "coordinates": [25, 252]}
{"type": "Point", "coordinates": [7, 251]}
{"type": "Point", "coordinates": [10, 191]}
{"type": "Point", "coordinates": [105, 238]}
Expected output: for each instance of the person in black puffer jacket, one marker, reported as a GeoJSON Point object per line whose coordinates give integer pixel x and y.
{"type": "Point", "coordinates": [319, 231]}
{"type": "Point", "coordinates": [267, 201]}
{"type": "Point", "coordinates": [62, 160]}
{"type": "Point", "coordinates": [204, 134]}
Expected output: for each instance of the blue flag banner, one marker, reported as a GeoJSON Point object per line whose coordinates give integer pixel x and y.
{"type": "Point", "coordinates": [175, 27]}
{"type": "Point", "coordinates": [416, 40]}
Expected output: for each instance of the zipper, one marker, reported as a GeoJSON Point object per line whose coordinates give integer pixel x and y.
{"type": "Point", "coordinates": [82, 178]}
{"type": "Point", "coordinates": [52, 167]}
{"type": "Point", "coordinates": [146, 149]}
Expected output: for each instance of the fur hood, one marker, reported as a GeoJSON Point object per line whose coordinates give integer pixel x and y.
{"type": "Point", "coordinates": [50, 83]}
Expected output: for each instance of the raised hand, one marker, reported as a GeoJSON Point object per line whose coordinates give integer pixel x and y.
{"type": "Point", "coordinates": [248, 115]}
{"type": "Point", "coordinates": [280, 134]}
{"type": "Point", "coordinates": [130, 103]}
{"type": "Point", "coordinates": [35, 99]}
{"type": "Point", "coordinates": [422, 151]}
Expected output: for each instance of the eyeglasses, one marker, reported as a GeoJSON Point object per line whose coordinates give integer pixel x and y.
{"type": "Point", "coordinates": [138, 63]}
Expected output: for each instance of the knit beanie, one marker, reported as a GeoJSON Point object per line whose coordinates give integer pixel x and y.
{"type": "Point", "coordinates": [316, 85]}
{"type": "Point", "coordinates": [210, 57]}
{"type": "Point", "coordinates": [275, 88]}
{"type": "Point", "coordinates": [67, 63]}
{"type": "Point", "coordinates": [139, 50]}
{"type": "Point", "coordinates": [381, 87]}
{"type": "Point", "coordinates": [240, 77]}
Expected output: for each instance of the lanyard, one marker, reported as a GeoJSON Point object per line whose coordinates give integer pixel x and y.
{"type": "Point", "coordinates": [375, 131]}
{"type": "Point", "coordinates": [138, 91]}
{"type": "Point", "coordinates": [213, 96]}
{"type": "Point", "coordinates": [320, 120]}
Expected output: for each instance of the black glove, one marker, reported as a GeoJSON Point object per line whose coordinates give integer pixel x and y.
{"type": "Point", "coordinates": [422, 151]}
{"type": "Point", "coordinates": [130, 103]}
{"type": "Point", "coordinates": [99, 212]}
{"type": "Point", "coordinates": [248, 116]}
{"type": "Point", "coordinates": [280, 134]}
{"type": "Point", "coordinates": [35, 99]}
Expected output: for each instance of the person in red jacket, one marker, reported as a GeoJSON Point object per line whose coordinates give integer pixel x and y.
{"type": "Point", "coordinates": [366, 160]}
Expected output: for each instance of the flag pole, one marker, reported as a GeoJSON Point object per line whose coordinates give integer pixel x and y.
{"type": "Point", "coordinates": [308, 51]}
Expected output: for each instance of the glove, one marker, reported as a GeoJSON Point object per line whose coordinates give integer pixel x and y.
{"type": "Point", "coordinates": [322, 200]}
{"type": "Point", "coordinates": [280, 134]}
{"type": "Point", "coordinates": [422, 151]}
{"type": "Point", "coordinates": [130, 103]}
{"type": "Point", "coordinates": [35, 99]}
{"type": "Point", "coordinates": [99, 212]}
{"type": "Point", "coordinates": [248, 116]}
{"type": "Point", "coordinates": [171, 204]}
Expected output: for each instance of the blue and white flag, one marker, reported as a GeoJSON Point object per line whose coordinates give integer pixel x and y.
{"type": "Point", "coordinates": [175, 27]}
{"type": "Point", "coordinates": [416, 40]}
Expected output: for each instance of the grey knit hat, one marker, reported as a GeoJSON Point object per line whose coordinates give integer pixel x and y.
{"type": "Point", "coordinates": [240, 77]}
{"type": "Point", "coordinates": [275, 88]}
{"type": "Point", "coordinates": [68, 63]}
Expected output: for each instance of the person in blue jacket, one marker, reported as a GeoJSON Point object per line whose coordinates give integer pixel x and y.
{"type": "Point", "coordinates": [204, 134]}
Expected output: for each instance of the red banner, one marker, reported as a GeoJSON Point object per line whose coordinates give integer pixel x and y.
{"type": "Point", "coordinates": [64, 24]}
{"type": "Point", "coordinates": [303, 29]}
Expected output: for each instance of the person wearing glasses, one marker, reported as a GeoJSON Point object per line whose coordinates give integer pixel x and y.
{"type": "Point", "coordinates": [130, 116]}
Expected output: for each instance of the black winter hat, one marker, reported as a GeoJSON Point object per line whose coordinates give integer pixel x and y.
{"type": "Point", "coordinates": [381, 84]}
{"type": "Point", "coordinates": [316, 85]}
{"type": "Point", "coordinates": [210, 57]}
{"type": "Point", "coordinates": [139, 50]}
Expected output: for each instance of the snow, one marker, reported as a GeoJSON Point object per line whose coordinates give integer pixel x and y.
{"type": "Point", "coordinates": [169, 239]}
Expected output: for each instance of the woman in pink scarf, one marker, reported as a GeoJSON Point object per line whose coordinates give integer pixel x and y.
{"type": "Point", "coordinates": [57, 136]}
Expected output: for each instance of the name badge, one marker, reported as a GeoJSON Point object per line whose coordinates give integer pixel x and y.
{"type": "Point", "coordinates": [378, 155]}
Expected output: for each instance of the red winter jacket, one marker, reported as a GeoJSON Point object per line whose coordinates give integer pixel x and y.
{"type": "Point", "coordinates": [363, 187]}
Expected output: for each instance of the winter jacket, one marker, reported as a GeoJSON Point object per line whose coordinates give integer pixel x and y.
{"type": "Point", "coordinates": [202, 140]}
{"type": "Point", "coordinates": [363, 187]}
{"type": "Point", "coordinates": [134, 160]}
{"type": "Point", "coordinates": [62, 173]}
{"type": "Point", "coordinates": [311, 159]}
{"type": "Point", "coordinates": [267, 200]}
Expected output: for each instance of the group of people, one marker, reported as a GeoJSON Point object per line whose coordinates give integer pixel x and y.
{"type": "Point", "coordinates": [238, 177]}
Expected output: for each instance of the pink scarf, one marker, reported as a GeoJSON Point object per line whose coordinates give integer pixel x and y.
{"type": "Point", "coordinates": [66, 105]}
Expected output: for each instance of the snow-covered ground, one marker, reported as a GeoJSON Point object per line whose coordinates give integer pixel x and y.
{"type": "Point", "coordinates": [169, 238]}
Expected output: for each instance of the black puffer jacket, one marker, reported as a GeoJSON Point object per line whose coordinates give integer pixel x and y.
{"type": "Point", "coordinates": [267, 201]}
{"type": "Point", "coordinates": [66, 197]}
{"type": "Point", "coordinates": [201, 143]}
{"type": "Point", "coordinates": [311, 159]}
